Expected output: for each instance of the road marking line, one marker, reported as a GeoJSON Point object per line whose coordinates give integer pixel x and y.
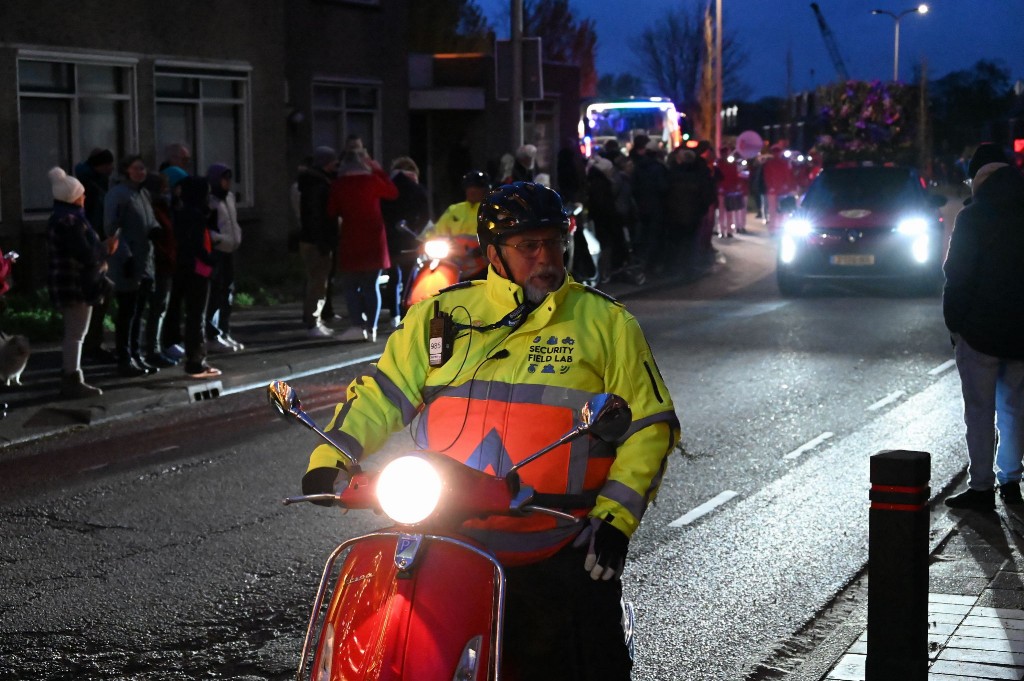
{"type": "Point", "coordinates": [808, 446]}
{"type": "Point", "coordinates": [703, 509]}
{"type": "Point", "coordinates": [888, 399]}
{"type": "Point", "coordinates": [301, 374]}
{"type": "Point", "coordinates": [942, 368]}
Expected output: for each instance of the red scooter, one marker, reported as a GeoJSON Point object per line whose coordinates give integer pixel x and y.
{"type": "Point", "coordinates": [444, 261]}
{"type": "Point", "coordinates": [418, 601]}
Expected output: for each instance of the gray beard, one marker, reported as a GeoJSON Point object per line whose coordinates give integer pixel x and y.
{"type": "Point", "coordinates": [536, 294]}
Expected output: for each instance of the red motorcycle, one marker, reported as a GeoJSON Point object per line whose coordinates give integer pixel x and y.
{"type": "Point", "coordinates": [418, 601]}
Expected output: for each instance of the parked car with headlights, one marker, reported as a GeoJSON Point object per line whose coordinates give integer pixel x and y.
{"type": "Point", "coordinates": [863, 223]}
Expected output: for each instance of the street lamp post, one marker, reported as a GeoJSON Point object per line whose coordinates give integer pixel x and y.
{"type": "Point", "coordinates": [920, 9]}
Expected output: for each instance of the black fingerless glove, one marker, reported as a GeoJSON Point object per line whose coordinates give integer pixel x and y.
{"type": "Point", "coordinates": [324, 481]}
{"type": "Point", "coordinates": [606, 548]}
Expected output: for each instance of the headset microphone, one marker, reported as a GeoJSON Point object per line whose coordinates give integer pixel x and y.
{"type": "Point", "coordinates": [500, 354]}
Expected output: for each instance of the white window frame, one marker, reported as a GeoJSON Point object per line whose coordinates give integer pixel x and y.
{"type": "Point", "coordinates": [129, 131]}
{"type": "Point", "coordinates": [207, 71]}
{"type": "Point", "coordinates": [342, 112]}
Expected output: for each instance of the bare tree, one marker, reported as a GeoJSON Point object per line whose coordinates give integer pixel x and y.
{"type": "Point", "coordinates": [672, 55]}
{"type": "Point", "coordinates": [448, 26]}
{"type": "Point", "coordinates": [563, 39]}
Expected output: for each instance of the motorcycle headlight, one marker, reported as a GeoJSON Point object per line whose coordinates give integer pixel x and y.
{"type": "Point", "coordinates": [912, 227]}
{"type": "Point", "coordinates": [436, 249]}
{"type": "Point", "coordinates": [408, 489]}
{"type": "Point", "coordinates": [797, 227]}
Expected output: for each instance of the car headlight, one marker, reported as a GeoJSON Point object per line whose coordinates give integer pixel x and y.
{"type": "Point", "coordinates": [797, 227]}
{"type": "Point", "coordinates": [408, 489]}
{"type": "Point", "coordinates": [436, 249]}
{"type": "Point", "coordinates": [912, 226]}
{"type": "Point", "coordinates": [787, 250]}
{"type": "Point", "coordinates": [921, 249]}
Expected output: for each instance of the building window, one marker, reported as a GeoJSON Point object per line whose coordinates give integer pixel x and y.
{"type": "Point", "coordinates": [208, 110]}
{"type": "Point", "coordinates": [344, 109]}
{"type": "Point", "coordinates": [68, 107]}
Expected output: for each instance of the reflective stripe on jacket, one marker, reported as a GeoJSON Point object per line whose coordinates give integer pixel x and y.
{"type": "Point", "coordinates": [490, 409]}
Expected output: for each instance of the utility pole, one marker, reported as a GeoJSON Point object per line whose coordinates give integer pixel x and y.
{"type": "Point", "coordinates": [517, 74]}
{"type": "Point", "coordinates": [718, 76]}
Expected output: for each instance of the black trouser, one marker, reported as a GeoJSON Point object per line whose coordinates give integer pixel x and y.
{"type": "Point", "coordinates": [131, 307]}
{"type": "Point", "coordinates": [222, 295]}
{"type": "Point", "coordinates": [158, 303]}
{"type": "Point", "coordinates": [561, 625]}
{"type": "Point", "coordinates": [170, 332]}
{"type": "Point", "coordinates": [195, 292]}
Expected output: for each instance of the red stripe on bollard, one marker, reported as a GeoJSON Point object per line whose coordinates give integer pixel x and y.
{"type": "Point", "coordinates": [875, 506]}
{"type": "Point", "coordinates": [898, 489]}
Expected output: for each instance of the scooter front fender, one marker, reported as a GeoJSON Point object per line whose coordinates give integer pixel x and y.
{"type": "Point", "coordinates": [439, 618]}
{"type": "Point", "coordinates": [429, 280]}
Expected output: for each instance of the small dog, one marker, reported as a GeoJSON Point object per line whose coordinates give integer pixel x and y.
{"type": "Point", "coordinates": [14, 353]}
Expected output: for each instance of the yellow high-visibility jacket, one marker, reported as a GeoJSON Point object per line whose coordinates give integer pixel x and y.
{"type": "Point", "coordinates": [508, 390]}
{"type": "Point", "coordinates": [458, 218]}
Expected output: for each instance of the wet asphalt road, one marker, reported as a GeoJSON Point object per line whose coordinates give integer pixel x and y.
{"type": "Point", "coordinates": [159, 549]}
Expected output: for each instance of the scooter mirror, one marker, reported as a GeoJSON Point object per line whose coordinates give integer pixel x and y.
{"type": "Point", "coordinates": [285, 400]}
{"type": "Point", "coordinates": [607, 416]}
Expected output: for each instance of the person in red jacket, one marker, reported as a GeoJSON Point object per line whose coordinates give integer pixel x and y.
{"type": "Point", "coordinates": [732, 215]}
{"type": "Point", "coordinates": [362, 245]}
{"type": "Point", "coordinates": [778, 182]}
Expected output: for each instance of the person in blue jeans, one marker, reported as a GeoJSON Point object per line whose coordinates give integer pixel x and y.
{"type": "Point", "coordinates": [983, 306]}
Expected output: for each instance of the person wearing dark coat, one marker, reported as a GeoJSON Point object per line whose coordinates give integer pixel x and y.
{"type": "Point", "coordinates": [650, 183]}
{"type": "Point", "coordinates": [94, 174]}
{"type": "Point", "coordinates": [194, 265]}
{"type": "Point", "coordinates": [165, 252]}
{"type": "Point", "coordinates": [603, 187]}
{"type": "Point", "coordinates": [404, 220]}
{"type": "Point", "coordinates": [689, 195]}
{"type": "Point", "coordinates": [77, 276]}
{"type": "Point", "coordinates": [128, 211]}
{"type": "Point", "coordinates": [318, 237]}
{"type": "Point", "coordinates": [983, 307]}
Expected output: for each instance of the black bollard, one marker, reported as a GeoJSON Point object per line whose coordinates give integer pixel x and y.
{"type": "Point", "coordinates": [898, 567]}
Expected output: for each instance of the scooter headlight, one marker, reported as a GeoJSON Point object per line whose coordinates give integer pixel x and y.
{"type": "Point", "coordinates": [408, 489]}
{"type": "Point", "coordinates": [436, 249]}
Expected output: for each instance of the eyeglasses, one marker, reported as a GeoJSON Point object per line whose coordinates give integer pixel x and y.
{"type": "Point", "coordinates": [530, 248]}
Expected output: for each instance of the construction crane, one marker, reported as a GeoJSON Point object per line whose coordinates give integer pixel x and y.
{"type": "Point", "coordinates": [830, 43]}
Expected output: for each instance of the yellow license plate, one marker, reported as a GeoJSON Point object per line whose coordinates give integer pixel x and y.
{"type": "Point", "coordinates": [855, 260]}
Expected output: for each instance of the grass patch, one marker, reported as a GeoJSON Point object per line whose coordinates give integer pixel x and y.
{"type": "Point", "coordinates": [32, 315]}
{"type": "Point", "coordinates": [274, 283]}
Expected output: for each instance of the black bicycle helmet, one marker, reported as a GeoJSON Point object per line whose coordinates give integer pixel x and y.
{"type": "Point", "coordinates": [519, 207]}
{"type": "Point", "coordinates": [476, 178]}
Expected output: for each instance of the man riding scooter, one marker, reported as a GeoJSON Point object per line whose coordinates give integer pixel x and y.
{"type": "Point", "coordinates": [490, 370]}
{"type": "Point", "coordinates": [451, 252]}
{"type": "Point", "coordinates": [460, 218]}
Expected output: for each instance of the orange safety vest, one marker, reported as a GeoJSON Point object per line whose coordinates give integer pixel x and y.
{"type": "Point", "coordinates": [490, 426]}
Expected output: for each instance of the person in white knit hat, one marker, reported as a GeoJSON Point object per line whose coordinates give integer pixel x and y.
{"type": "Point", "coordinates": [77, 276]}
